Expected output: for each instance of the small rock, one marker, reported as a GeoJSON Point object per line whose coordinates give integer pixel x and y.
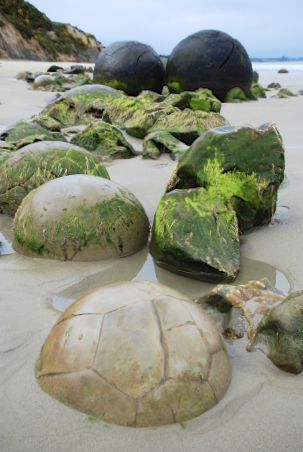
{"type": "Point", "coordinates": [54, 68]}
{"type": "Point", "coordinates": [283, 71]}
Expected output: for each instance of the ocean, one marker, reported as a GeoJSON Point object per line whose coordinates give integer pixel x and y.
{"type": "Point", "coordinates": [291, 66]}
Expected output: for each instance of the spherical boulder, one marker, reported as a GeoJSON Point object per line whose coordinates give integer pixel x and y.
{"type": "Point", "coordinates": [38, 163]}
{"type": "Point", "coordinates": [43, 80]}
{"type": "Point", "coordinates": [130, 66]}
{"type": "Point", "coordinates": [209, 59]}
{"type": "Point", "coordinates": [135, 353]}
{"type": "Point", "coordinates": [80, 218]}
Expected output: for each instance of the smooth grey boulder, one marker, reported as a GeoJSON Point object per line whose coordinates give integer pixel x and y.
{"type": "Point", "coordinates": [130, 66]}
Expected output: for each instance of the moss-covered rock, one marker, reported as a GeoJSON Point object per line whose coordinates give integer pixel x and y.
{"type": "Point", "coordinates": [22, 133]}
{"type": "Point", "coordinates": [281, 333]}
{"type": "Point", "coordinates": [62, 110]}
{"type": "Point", "coordinates": [143, 119]}
{"type": "Point", "coordinates": [255, 77]}
{"type": "Point", "coordinates": [235, 95]}
{"type": "Point", "coordinates": [284, 93]}
{"type": "Point", "coordinates": [39, 163]}
{"type": "Point", "coordinates": [47, 122]}
{"type": "Point", "coordinates": [243, 166]}
{"type": "Point", "coordinates": [256, 91]}
{"type": "Point", "coordinates": [105, 140]}
{"type": "Point", "coordinates": [187, 125]}
{"type": "Point", "coordinates": [196, 235]}
{"type": "Point", "coordinates": [201, 99]}
{"type": "Point", "coordinates": [157, 143]}
{"type": "Point", "coordinates": [42, 81]}
{"type": "Point", "coordinates": [5, 154]}
{"type": "Point", "coordinates": [86, 94]}
{"type": "Point", "coordinates": [274, 85]}
{"type": "Point", "coordinates": [80, 218]}
{"type": "Point", "coordinates": [121, 109]}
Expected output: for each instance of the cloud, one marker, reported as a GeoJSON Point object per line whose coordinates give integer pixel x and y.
{"type": "Point", "coordinates": [265, 28]}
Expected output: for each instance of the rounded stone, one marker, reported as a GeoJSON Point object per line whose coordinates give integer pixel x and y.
{"type": "Point", "coordinates": [135, 353]}
{"type": "Point", "coordinates": [80, 218]}
{"type": "Point", "coordinates": [43, 80]}
{"type": "Point", "coordinates": [130, 66]}
{"type": "Point", "coordinates": [209, 59]}
{"type": "Point", "coordinates": [38, 163]}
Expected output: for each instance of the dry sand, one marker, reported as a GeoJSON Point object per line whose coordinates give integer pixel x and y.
{"type": "Point", "coordinates": [262, 410]}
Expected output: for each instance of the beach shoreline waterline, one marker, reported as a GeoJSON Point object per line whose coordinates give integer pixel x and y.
{"type": "Point", "coordinates": [262, 409]}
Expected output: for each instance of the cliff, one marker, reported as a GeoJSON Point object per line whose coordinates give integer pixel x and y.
{"type": "Point", "coordinates": [26, 33]}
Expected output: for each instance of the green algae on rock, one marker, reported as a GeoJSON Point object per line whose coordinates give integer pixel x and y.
{"type": "Point", "coordinates": [137, 354]}
{"type": "Point", "coordinates": [243, 166]}
{"type": "Point", "coordinates": [201, 99]}
{"type": "Point", "coordinates": [256, 91]}
{"type": "Point", "coordinates": [62, 110]}
{"type": "Point", "coordinates": [43, 80]}
{"type": "Point", "coordinates": [274, 85]}
{"type": "Point", "coordinates": [143, 119]}
{"type": "Point", "coordinates": [187, 125]}
{"type": "Point", "coordinates": [235, 95]}
{"type": "Point", "coordinates": [86, 94]}
{"type": "Point", "coordinates": [39, 163]}
{"type": "Point", "coordinates": [80, 218]}
{"type": "Point", "coordinates": [196, 235]}
{"type": "Point", "coordinates": [5, 154]}
{"type": "Point", "coordinates": [105, 140]}
{"type": "Point", "coordinates": [121, 109]}
{"type": "Point", "coordinates": [284, 93]}
{"type": "Point", "coordinates": [281, 333]}
{"type": "Point", "coordinates": [156, 143]}
{"type": "Point", "coordinates": [22, 133]}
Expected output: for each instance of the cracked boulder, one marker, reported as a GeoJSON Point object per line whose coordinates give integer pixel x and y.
{"type": "Point", "coordinates": [130, 66]}
{"type": "Point", "coordinates": [39, 163]}
{"type": "Point", "coordinates": [80, 218]}
{"type": "Point", "coordinates": [237, 309]}
{"type": "Point", "coordinates": [196, 235]}
{"type": "Point", "coordinates": [280, 334]}
{"type": "Point", "coordinates": [209, 59]}
{"type": "Point", "coordinates": [241, 166]}
{"type": "Point", "coordinates": [105, 140]}
{"type": "Point", "coordinates": [173, 364]}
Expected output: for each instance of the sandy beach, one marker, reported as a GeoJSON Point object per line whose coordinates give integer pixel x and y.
{"type": "Point", "coordinates": [263, 408]}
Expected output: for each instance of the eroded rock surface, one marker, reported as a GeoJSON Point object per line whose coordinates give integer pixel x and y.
{"type": "Point", "coordinates": [173, 364]}
{"type": "Point", "coordinates": [280, 334]}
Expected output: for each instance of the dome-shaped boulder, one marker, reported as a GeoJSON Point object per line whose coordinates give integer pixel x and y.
{"type": "Point", "coordinates": [80, 218]}
{"type": "Point", "coordinates": [41, 162]}
{"type": "Point", "coordinates": [135, 353]}
{"type": "Point", "coordinates": [130, 66]}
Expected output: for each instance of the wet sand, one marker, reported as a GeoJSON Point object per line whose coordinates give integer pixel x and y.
{"type": "Point", "coordinates": [262, 410]}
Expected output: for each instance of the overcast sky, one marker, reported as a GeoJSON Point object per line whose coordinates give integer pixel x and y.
{"type": "Point", "coordinates": [266, 28]}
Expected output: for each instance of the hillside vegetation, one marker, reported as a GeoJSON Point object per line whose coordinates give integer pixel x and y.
{"type": "Point", "coordinates": [56, 39]}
